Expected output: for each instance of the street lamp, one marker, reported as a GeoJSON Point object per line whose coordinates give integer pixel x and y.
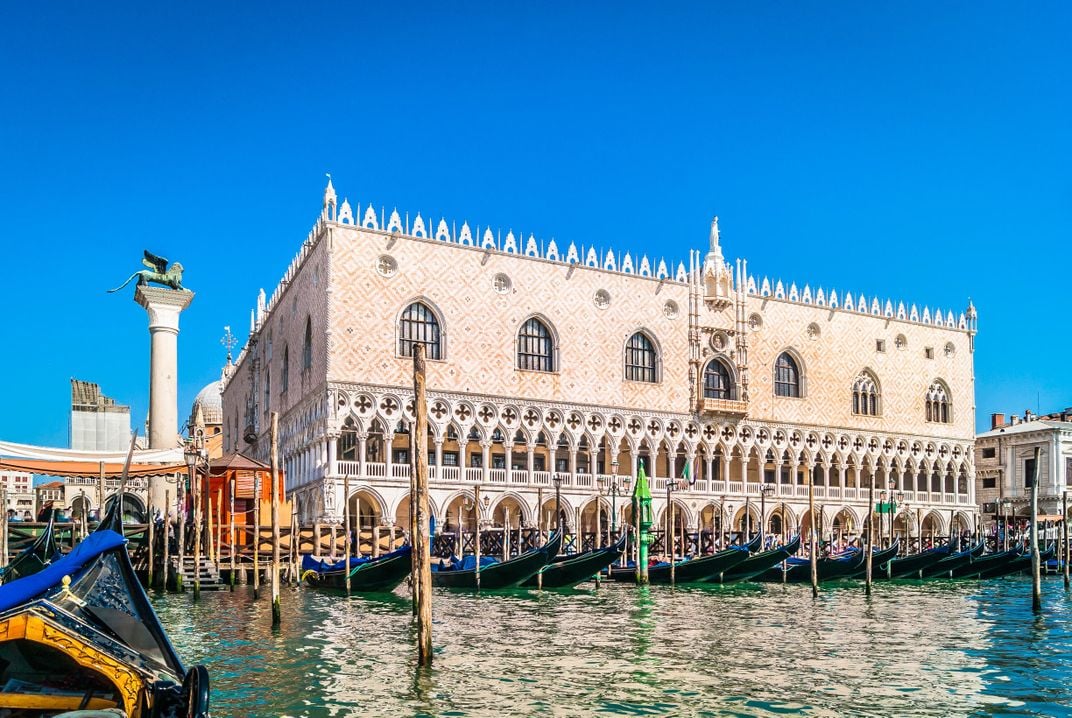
{"type": "Point", "coordinates": [721, 518]}
{"type": "Point", "coordinates": [765, 490]}
{"type": "Point", "coordinates": [193, 456]}
{"type": "Point", "coordinates": [883, 508]}
{"type": "Point", "coordinates": [1006, 509]}
{"type": "Point", "coordinates": [608, 486]}
{"type": "Point", "coordinates": [558, 502]}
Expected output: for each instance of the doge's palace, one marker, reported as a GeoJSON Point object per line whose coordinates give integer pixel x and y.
{"type": "Point", "coordinates": [578, 364]}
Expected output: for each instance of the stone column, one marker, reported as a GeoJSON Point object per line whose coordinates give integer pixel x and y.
{"type": "Point", "coordinates": [163, 307]}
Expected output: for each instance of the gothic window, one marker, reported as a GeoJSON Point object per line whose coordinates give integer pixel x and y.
{"type": "Point", "coordinates": [285, 379]}
{"type": "Point", "coordinates": [419, 325]}
{"type": "Point", "coordinates": [939, 406]}
{"type": "Point", "coordinates": [640, 359]}
{"type": "Point", "coordinates": [307, 346]}
{"type": "Point", "coordinates": [786, 376]}
{"type": "Point", "coordinates": [865, 395]}
{"type": "Point", "coordinates": [717, 381]}
{"type": "Point", "coordinates": [535, 347]}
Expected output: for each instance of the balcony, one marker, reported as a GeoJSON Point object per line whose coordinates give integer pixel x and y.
{"type": "Point", "coordinates": [724, 407]}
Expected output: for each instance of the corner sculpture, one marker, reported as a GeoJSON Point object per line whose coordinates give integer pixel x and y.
{"type": "Point", "coordinates": [157, 273]}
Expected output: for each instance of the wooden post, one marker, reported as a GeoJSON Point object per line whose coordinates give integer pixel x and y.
{"type": "Point", "coordinates": [230, 531]}
{"type": "Point", "coordinates": [84, 521]}
{"type": "Point", "coordinates": [219, 524]}
{"type": "Point", "coordinates": [506, 533]}
{"type": "Point", "coordinates": [376, 541]}
{"type": "Point", "coordinates": [100, 494]}
{"type": "Point", "coordinates": [295, 540]}
{"type": "Point", "coordinates": [870, 533]}
{"type": "Point", "coordinates": [422, 581]}
{"type": "Point", "coordinates": [195, 489]}
{"type": "Point", "coordinates": [335, 537]}
{"type": "Point", "coordinates": [1064, 536]}
{"type": "Point", "coordinates": [476, 523]}
{"type": "Point", "coordinates": [539, 529]}
{"type": "Point", "coordinates": [167, 537]}
{"type": "Point", "coordinates": [346, 549]}
{"type": "Point", "coordinates": [670, 532]}
{"type": "Point", "coordinates": [3, 508]}
{"type": "Point", "coordinates": [150, 532]}
{"type": "Point", "coordinates": [258, 476]}
{"type": "Point", "coordinates": [210, 531]}
{"type": "Point", "coordinates": [1036, 563]}
{"type": "Point", "coordinates": [316, 539]}
{"type": "Point", "coordinates": [180, 533]}
{"type": "Point", "coordinates": [814, 559]}
{"type": "Point", "coordinates": [276, 617]}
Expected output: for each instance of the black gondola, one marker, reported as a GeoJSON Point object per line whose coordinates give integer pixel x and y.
{"type": "Point", "coordinates": [500, 574]}
{"type": "Point", "coordinates": [575, 569]}
{"type": "Point", "coordinates": [878, 558]}
{"type": "Point", "coordinates": [912, 565]}
{"type": "Point", "coordinates": [81, 634]}
{"type": "Point", "coordinates": [986, 562]}
{"type": "Point", "coordinates": [798, 569]}
{"type": "Point", "coordinates": [43, 551]}
{"type": "Point", "coordinates": [367, 575]}
{"type": "Point", "coordinates": [756, 564]}
{"type": "Point", "coordinates": [1018, 564]}
{"type": "Point", "coordinates": [950, 563]}
{"type": "Point", "coordinates": [688, 571]}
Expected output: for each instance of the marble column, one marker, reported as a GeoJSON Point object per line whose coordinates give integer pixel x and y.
{"type": "Point", "coordinates": [163, 307]}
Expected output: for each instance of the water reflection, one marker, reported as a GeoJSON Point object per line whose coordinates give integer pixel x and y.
{"type": "Point", "coordinates": [946, 648]}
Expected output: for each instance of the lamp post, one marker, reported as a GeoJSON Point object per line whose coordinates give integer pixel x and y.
{"type": "Point", "coordinates": [721, 519]}
{"type": "Point", "coordinates": [558, 502]}
{"type": "Point", "coordinates": [1006, 507]}
{"type": "Point", "coordinates": [881, 517]}
{"type": "Point", "coordinates": [671, 486]}
{"type": "Point", "coordinates": [893, 512]}
{"type": "Point", "coordinates": [765, 490]}
{"type": "Point", "coordinates": [192, 455]}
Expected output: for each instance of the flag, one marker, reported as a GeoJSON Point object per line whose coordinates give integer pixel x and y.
{"type": "Point", "coordinates": [687, 474]}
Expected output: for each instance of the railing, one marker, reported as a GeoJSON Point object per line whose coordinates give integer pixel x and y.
{"type": "Point", "coordinates": [474, 474]}
{"type": "Point", "coordinates": [375, 469]}
{"type": "Point", "coordinates": [833, 492]}
{"type": "Point", "coordinates": [451, 473]}
{"type": "Point", "coordinates": [585, 481]}
{"type": "Point", "coordinates": [820, 492]}
{"type": "Point", "coordinates": [400, 471]}
{"type": "Point", "coordinates": [519, 476]}
{"type": "Point", "coordinates": [497, 476]}
{"type": "Point", "coordinates": [351, 468]}
{"type": "Point", "coordinates": [541, 478]}
{"type": "Point", "coordinates": [736, 487]}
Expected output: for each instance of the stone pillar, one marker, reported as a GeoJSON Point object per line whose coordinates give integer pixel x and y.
{"type": "Point", "coordinates": [163, 307]}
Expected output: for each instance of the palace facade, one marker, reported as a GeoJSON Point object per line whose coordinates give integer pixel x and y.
{"type": "Point", "coordinates": [584, 364]}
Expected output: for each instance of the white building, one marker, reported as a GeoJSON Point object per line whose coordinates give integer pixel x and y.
{"type": "Point", "coordinates": [19, 494]}
{"type": "Point", "coordinates": [97, 422]}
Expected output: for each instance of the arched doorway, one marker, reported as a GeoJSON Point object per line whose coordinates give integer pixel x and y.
{"type": "Point", "coordinates": [366, 517]}
{"type": "Point", "coordinates": [81, 508]}
{"type": "Point", "coordinates": [844, 528]}
{"type": "Point", "coordinates": [678, 528]}
{"type": "Point", "coordinates": [595, 524]}
{"type": "Point", "coordinates": [508, 517]}
{"type": "Point", "coordinates": [133, 508]}
{"type": "Point", "coordinates": [932, 529]}
{"type": "Point", "coordinates": [712, 519]}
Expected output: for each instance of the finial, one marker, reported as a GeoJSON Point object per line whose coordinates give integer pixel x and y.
{"type": "Point", "coordinates": [228, 341]}
{"type": "Point", "coordinates": [329, 193]}
{"type": "Point", "coordinates": [714, 233]}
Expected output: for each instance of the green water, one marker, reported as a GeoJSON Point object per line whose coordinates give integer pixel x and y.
{"type": "Point", "coordinates": [932, 649]}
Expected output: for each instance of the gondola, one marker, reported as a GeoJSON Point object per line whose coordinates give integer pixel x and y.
{"type": "Point", "coordinates": [756, 564]}
{"type": "Point", "coordinates": [986, 562]}
{"type": "Point", "coordinates": [499, 574]}
{"type": "Point", "coordinates": [693, 570]}
{"type": "Point", "coordinates": [43, 551]}
{"type": "Point", "coordinates": [878, 558]}
{"type": "Point", "coordinates": [80, 634]}
{"type": "Point", "coordinates": [953, 561]}
{"type": "Point", "coordinates": [912, 565]}
{"type": "Point", "coordinates": [798, 569]}
{"type": "Point", "coordinates": [1018, 564]}
{"type": "Point", "coordinates": [367, 575]}
{"type": "Point", "coordinates": [575, 569]}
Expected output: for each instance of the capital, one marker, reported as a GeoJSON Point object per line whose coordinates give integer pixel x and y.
{"type": "Point", "coordinates": [163, 305]}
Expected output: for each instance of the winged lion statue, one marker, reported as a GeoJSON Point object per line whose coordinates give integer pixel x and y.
{"type": "Point", "coordinates": [158, 272]}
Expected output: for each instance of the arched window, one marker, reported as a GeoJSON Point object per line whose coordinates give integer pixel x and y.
{"type": "Point", "coordinates": [307, 346]}
{"type": "Point", "coordinates": [285, 379]}
{"type": "Point", "coordinates": [865, 395]}
{"type": "Point", "coordinates": [419, 325]}
{"type": "Point", "coordinates": [939, 406]}
{"type": "Point", "coordinates": [535, 347]}
{"type": "Point", "coordinates": [717, 381]}
{"type": "Point", "coordinates": [640, 359]}
{"type": "Point", "coordinates": [786, 376]}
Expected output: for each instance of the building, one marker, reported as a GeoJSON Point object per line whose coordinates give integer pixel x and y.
{"type": "Point", "coordinates": [1005, 463]}
{"type": "Point", "coordinates": [19, 493]}
{"type": "Point", "coordinates": [569, 361]}
{"type": "Point", "coordinates": [53, 491]}
{"type": "Point", "coordinates": [97, 422]}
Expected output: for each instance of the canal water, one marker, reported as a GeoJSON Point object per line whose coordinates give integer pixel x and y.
{"type": "Point", "coordinates": [930, 649]}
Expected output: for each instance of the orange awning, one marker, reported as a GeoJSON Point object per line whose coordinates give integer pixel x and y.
{"type": "Point", "coordinates": [87, 469]}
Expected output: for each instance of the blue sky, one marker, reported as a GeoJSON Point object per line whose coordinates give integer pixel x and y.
{"type": "Point", "coordinates": [917, 151]}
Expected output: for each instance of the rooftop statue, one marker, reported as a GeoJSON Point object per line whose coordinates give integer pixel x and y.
{"type": "Point", "coordinates": [157, 273]}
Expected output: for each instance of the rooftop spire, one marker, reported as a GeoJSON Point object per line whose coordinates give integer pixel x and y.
{"type": "Point", "coordinates": [715, 250]}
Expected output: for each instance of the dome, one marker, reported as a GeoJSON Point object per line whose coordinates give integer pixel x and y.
{"type": "Point", "coordinates": [210, 400]}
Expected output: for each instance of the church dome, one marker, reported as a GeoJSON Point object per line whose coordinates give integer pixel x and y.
{"type": "Point", "coordinates": [210, 400]}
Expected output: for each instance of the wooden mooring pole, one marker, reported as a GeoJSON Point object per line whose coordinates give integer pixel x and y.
{"type": "Point", "coordinates": [195, 493]}
{"type": "Point", "coordinates": [1036, 563]}
{"type": "Point", "coordinates": [814, 558]}
{"type": "Point", "coordinates": [476, 522]}
{"type": "Point", "coordinates": [276, 616]}
{"type": "Point", "coordinates": [150, 537]}
{"type": "Point", "coordinates": [167, 538]}
{"type": "Point", "coordinates": [230, 532]}
{"type": "Point", "coordinates": [870, 533]}
{"type": "Point", "coordinates": [257, 534]}
{"type": "Point", "coordinates": [422, 580]}
{"type": "Point", "coordinates": [1064, 536]}
{"type": "Point", "coordinates": [346, 549]}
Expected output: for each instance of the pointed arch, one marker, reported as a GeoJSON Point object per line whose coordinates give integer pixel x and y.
{"type": "Point", "coordinates": [643, 359]}
{"type": "Point", "coordinates": [719, 380]}
{"type": "Point", "coordinates": [421, 322]}
{"type": "Point", "coordinates": [866, 397]}
{"type": "Point", "coordinates": [789, 374]}
{"type": "Point", "coordinates": [536, 345]}
{"type": "Point", "coordinates": [939, 403]}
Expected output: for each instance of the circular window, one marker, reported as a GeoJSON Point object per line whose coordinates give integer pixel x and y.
{"type": "Point", "coordinates": [950, 350]}
{"type": "Point", "coordinates": [602, 299]}
{"type": "Point", "coordinates": [900, 342]}
{"type": "Point", "coordinates": [502, 283]}
{"type": "Point", "coordinates": [813, 331]}
{"type": "Point", "coordinates": [755, 322]}
{"type": "Point", "coordinates": [670, 309]}
{"type": "Point", "coordinates": [386, 265]}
